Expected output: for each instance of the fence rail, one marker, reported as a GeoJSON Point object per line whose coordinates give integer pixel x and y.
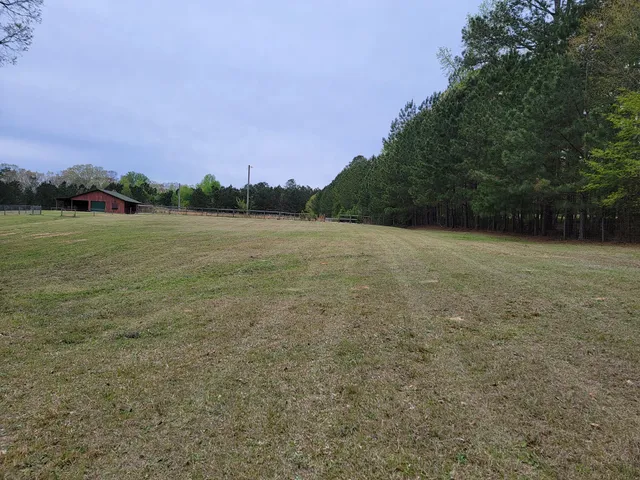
{"type": "Point", "coordinates": [222, 212]}
{"type": "Point", "coordinates": [171, 210]}
{"type": "Point", "coordinates": [21, 209]}
{"type": "Point", "coordinates": [348, 219]}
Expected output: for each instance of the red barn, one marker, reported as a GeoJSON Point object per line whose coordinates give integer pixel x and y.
{"type": "Point", "coordinates": [99, 200]}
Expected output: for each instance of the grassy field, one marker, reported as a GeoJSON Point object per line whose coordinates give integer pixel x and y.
{"type": "Point", "coordinates": [197, 347]}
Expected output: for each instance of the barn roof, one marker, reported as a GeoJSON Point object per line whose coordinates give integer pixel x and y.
{"type": "Point", "coordinates": [108, 192]}
{"type": "Point", "coordinates": [117, 195]}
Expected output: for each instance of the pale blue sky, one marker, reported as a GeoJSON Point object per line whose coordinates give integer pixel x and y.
{"type": "Point", "coordinates": [180, 89]}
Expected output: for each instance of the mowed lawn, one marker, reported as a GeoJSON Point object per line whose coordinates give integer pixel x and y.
{"type": "Point", "coordinates": [202, 347]}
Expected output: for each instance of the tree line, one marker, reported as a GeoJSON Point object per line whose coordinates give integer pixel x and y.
{"type": "Point", "coordinates": [538, 131]}
{"type": "Point", "coordinates": [19, 186]}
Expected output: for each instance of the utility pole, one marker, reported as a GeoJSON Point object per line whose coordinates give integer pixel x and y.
{"type": "Point", "coordinates": [178, 197]}
{"type": "Point", "coordinates": [248, 185]}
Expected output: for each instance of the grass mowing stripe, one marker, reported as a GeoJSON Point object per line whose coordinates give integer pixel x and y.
{"type": "Point", "coordinates": [199, 347]}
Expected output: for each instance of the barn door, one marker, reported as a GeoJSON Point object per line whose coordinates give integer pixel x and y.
{"type": "Point", "coordinates": [98, 206]}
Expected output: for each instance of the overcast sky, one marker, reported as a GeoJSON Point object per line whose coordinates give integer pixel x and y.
{"type": "Point", "coordinates": [180, 89]}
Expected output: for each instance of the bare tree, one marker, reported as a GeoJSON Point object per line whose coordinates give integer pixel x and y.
{"type": "Point", "coordinates": [87, 175]}
{"type": "Point", "coordinates": [17, 18]}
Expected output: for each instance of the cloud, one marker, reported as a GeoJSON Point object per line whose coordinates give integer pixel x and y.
{"type": "Point", "coordinates": [180, 90]}
{"type": "Point", "coordinates": [25, 152]}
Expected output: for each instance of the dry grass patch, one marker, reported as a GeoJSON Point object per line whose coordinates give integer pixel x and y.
{"type": "Point", "coordinates": [49, 235]}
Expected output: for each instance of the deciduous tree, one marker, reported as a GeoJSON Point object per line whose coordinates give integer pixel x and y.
{"type": "Point", "coordinates": [17, 19]}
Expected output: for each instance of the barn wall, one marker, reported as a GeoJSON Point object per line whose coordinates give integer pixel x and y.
{"type": "Point", "coordinates": [103, 197]}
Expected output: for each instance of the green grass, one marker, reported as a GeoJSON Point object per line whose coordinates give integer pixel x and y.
{"type": "Point", "coordinates": [200, 347]}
